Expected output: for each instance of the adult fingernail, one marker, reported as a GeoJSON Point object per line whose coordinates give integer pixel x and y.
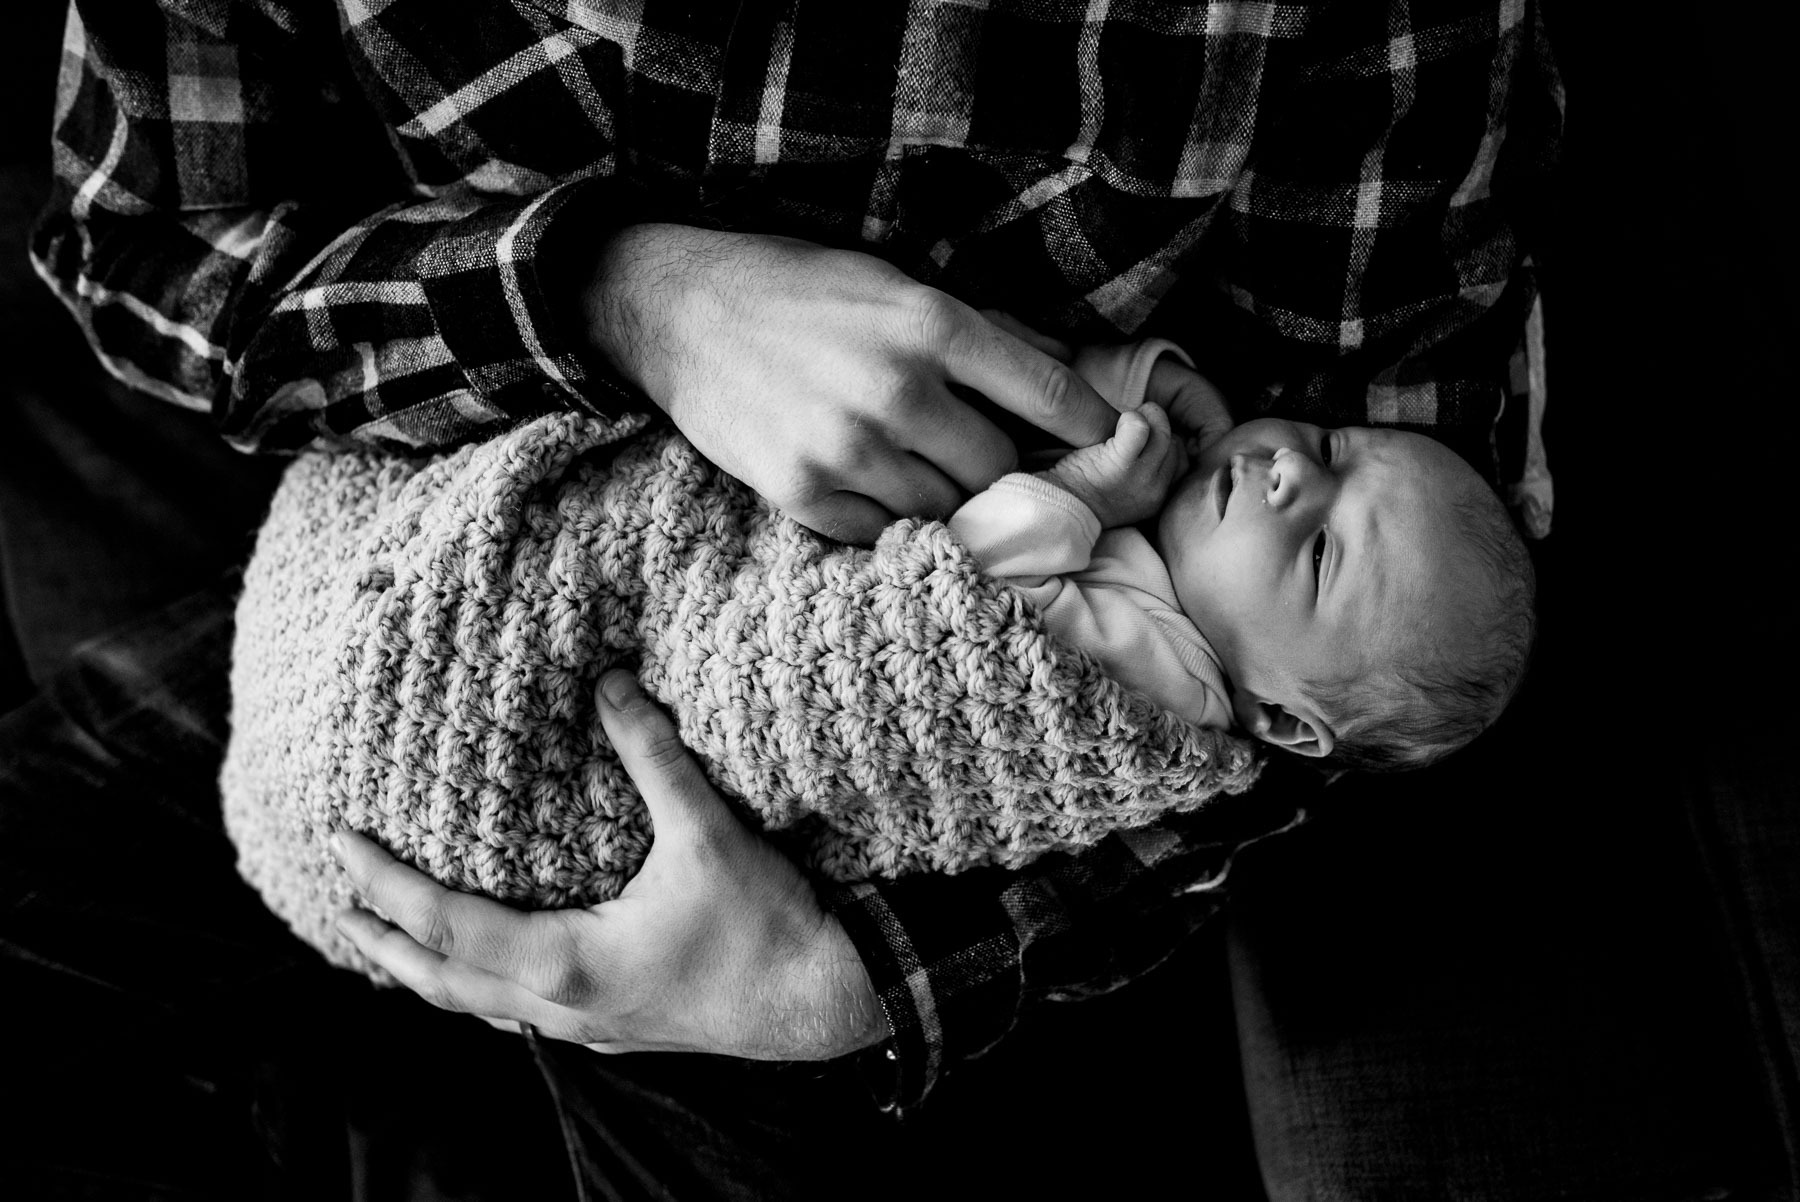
{"type": "Point", "coordinates": [616, 688]}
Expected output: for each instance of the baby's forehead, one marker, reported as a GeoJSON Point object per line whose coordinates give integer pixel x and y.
{"type": "Point", "coordinates": [1417, 484]}
{"type": "Point", "coordinates": [1438, 598]}
{"type": "Point", "coordinates": [1425, 566]}
{"type": "Point", "coordinates": [1412, 449]}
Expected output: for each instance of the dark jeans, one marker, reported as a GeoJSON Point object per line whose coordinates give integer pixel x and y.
{"type": "Point", "coordinates": [178, 1042]}
{"type": "Point", "coordinates": [175, 1042]}
{"type": "Point", "coordinates": [172, 1038]}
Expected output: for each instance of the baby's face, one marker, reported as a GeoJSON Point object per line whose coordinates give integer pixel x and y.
{"type": "Point", "coordinates": [1311, 554]}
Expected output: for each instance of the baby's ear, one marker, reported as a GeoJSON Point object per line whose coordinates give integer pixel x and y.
{"type": "Point", "coordinates": [1298, 730]}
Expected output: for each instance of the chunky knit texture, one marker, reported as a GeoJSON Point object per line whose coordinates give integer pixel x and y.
{"type": "Point", "coordinates": [418, 644]}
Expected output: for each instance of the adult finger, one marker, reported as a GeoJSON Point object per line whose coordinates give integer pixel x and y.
{"type": "Point", "coordinates": [446, 983]}
{"type": "Point", "coordinates": [962, 444]}
{"type": "Point", "coordinates": [1023, 380]}
{"type": "Point", "coordinates": [1056, 348]}
{"type": "Point", "coordinates": [682, 802]}
{"type": "Point", "coordinates": [911, 485]}
{"type": "Point", "coordinates": [847, 517]}
{"type": "Point", "coordinates": [476, 930]}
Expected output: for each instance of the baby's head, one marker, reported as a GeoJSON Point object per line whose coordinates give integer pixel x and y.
{"type": "Point", "coordinates": [1364, 589]}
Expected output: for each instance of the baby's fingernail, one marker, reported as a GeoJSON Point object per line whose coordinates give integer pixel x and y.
{"type": "Point", "coordinates": [336, 843]}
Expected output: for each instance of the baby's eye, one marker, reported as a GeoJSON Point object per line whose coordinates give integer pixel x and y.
{"type": "Point", "coordinates": [1318, 556]}
{"type": "Point", "coordinates": [1325, 448]}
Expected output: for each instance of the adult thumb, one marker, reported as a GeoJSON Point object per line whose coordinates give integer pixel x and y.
{"type": "Point", "coordinates": [680, 799]}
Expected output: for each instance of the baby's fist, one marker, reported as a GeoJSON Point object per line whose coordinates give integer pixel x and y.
{"type": "Point", "coordinates": [1126, 478]}
{"type": "Point", "coordinates": [1196, 408]}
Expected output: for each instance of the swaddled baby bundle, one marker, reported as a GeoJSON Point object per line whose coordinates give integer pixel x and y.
{"type": "Point", "coordinates": [419, 641]}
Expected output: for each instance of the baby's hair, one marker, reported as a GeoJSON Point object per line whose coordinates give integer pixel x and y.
{"type": "Point", "coordinates": [1415, 713]}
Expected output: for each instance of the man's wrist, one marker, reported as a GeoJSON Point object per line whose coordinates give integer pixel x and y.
{"type": "Point", "coordinates": [831, 1008]}
{"type": "Point", "coordinates": [633, 292]}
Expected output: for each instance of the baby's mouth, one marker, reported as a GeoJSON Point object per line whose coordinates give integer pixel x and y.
{"type": "Point", "coordinates": [1224, 489]}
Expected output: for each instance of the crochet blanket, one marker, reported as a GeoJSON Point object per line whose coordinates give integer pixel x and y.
{"type": "Point", "coordinates": [418, 644]}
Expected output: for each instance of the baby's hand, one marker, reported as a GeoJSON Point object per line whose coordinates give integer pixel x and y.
{"type": "Point", "coordinates": [1125, 479]}
{"type": "Point", "coordinates": [1196, 408]}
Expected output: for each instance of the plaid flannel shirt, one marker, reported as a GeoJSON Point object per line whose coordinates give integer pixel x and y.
{"type": "Point", "coordinates": [366, 221]}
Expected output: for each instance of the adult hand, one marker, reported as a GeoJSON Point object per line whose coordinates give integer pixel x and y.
{"type": "Point", "coordinates": [717, 945]}
{"type": "Point", "coordinates": [823, 378]}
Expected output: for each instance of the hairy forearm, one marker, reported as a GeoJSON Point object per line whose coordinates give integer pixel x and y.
{"type": "Point", "coordinates": [638, 270]}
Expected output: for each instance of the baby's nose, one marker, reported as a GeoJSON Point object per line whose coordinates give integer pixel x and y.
{"type": "Point", "coordinates": [1287, 471]}
{"type": "Point", "coordinates": [1254, 472]}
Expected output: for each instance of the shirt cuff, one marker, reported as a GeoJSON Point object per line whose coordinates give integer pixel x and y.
{"type": "Point", "coordinates": [943, 956]}
{"type": "Point", "coordinates": [506, 299]}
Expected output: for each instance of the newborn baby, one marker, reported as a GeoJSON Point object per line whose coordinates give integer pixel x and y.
{"type": "Point", "coordinates": [1357, 594]}
{"type": "Point", "coordinates": [418, 643]}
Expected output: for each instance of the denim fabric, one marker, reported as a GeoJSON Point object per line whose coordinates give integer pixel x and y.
{"type": "Point", "coordinates": [1132, 1094]}
{"type": "Point", "coordinates": [654, 1125]}
{"type": "Point", "coordinates": [177, 1043]}
{"type": "Point", "coordinates": [131, 958]}
{"type": "Point", "coordinates": [1744, 809]}
{"type": "Point", "coordinates": [174, 1041]}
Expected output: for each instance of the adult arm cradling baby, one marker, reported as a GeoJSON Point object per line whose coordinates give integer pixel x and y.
{"type": "Point", "coordinates": [443, 625]}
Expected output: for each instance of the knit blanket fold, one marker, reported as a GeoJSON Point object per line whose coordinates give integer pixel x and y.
{"type": "Point", "coordinates": [418, 643]}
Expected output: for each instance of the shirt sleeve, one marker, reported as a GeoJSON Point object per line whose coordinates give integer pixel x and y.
{"type": "Point", "coordinates": [237, 231]}
{"type": "Point", "coordinates": [956, 960]}
{"type": "Point", "coordinates": [1371, 259]}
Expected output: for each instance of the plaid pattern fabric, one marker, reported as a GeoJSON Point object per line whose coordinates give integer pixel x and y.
{"type": "Point", "coordinates": [955, 959]}
{"type": "Point", "coordinates": [365, 222]}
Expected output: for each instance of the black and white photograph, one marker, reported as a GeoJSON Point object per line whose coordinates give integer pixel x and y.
{"type": "Point", "coordinates": [792, 600]}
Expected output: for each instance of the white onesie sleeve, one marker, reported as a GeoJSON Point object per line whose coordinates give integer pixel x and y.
{"type": "Point", "coordinates": [1108, 594]}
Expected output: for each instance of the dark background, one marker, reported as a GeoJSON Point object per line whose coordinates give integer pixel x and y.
{"type": "Point", "coordinates": [1670, 261]}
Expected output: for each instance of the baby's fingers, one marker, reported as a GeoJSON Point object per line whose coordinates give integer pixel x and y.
{"type": "Point", "coordinates": [1161, 436]}
{"type": "Point", "coordinates": [1132, 435]}
{"type": "Point", "coordinates": [1157, 416]}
